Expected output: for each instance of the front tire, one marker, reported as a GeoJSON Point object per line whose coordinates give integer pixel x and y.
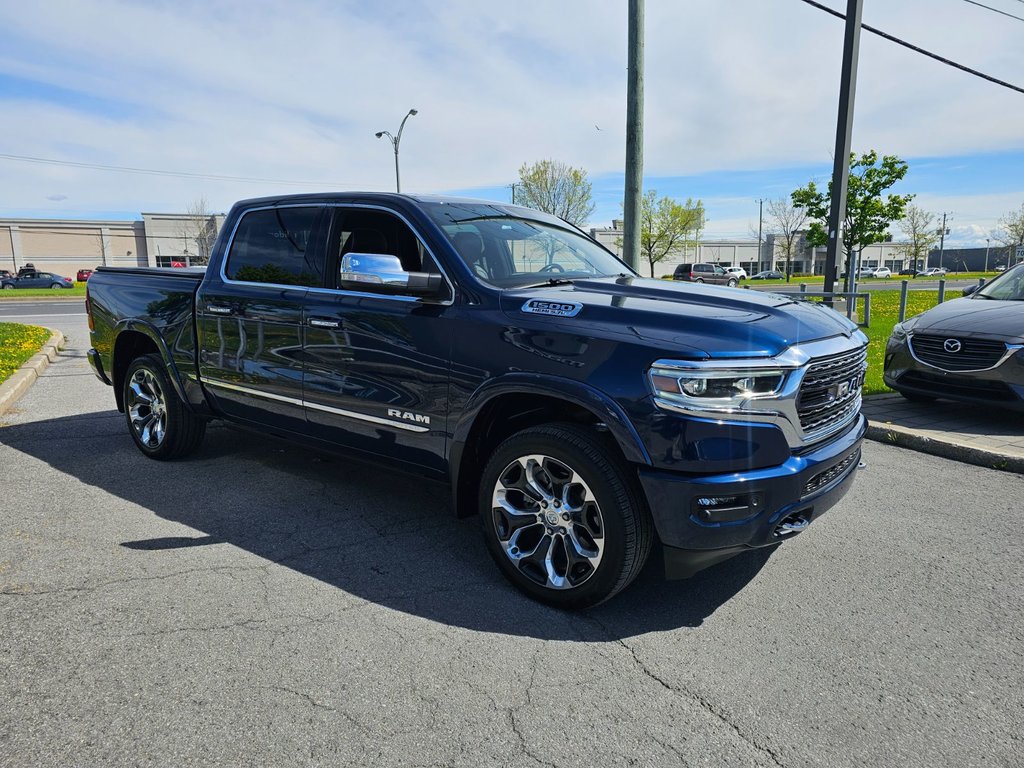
{"type": "Point", "coordinates": [159, 422]}
{"type": "Point", "coordinates": [733, 283]}
{"type": "Point", "coordinates": [562, 516]}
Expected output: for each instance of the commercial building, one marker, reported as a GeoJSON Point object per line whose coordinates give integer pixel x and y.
{"type": "Point", "coordinates": [64, 245]}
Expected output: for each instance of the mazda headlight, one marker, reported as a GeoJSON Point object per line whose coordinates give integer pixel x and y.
{"type": "Point", "coordinates": [709, 389]}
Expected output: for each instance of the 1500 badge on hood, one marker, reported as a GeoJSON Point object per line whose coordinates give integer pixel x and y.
{"type": "Point", "coordinates": [558, 308]}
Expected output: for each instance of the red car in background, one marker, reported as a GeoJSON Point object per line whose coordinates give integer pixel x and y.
{"type": "Point", "coordinates": [83, 275]}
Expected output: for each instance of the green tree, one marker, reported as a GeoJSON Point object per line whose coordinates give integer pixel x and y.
{"type": "Point", "coordinates": [868, 214]}
{"type": "Point", "coordinates": [666, 227]}
{"type": "Point", "coordinates": [1010, 233]}
{"type": "Point", "coordinates": [919, 227]}
{"type": "Point", "coordinates": [556, 188]}
{"type": "Point", "coordinates": [786, 222]}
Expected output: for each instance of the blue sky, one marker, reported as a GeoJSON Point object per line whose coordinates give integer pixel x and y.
{"type": "Point", "coordinates": [740, 101]}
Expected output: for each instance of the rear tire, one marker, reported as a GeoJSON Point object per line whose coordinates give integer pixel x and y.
{"type": "Point", "coordinates": [161, 425]}
{"type": "Point", "coordinates": [55, 286]}
{"type": "Point", "coordinates": [698, 279]}
{"type": "Point", "coordinates": [562, 515]}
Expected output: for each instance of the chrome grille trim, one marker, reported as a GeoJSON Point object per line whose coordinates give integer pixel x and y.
{"type": "Point", "coordinates": [974, 355]}
{"type": "Point", "coordinates": [821, 410]}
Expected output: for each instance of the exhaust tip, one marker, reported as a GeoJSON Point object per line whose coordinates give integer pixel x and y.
{"type": "Point", "coordinates": [791, 525]}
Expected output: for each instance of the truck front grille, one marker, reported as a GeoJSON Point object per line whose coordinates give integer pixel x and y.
{"type": "Point", "coordinates": [969, 354]}
{"type": "Point", "coordinates": [831, 393]}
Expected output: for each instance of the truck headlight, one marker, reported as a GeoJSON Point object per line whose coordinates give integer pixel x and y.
{"type": "Point", "coordinates": [716, 390]}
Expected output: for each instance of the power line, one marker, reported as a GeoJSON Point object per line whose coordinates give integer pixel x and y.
{"type": "Point", "coordinates": [994, 10]}
{"type": "Point", "coordinates": [180, 174]}
{"type": "Point", "coordinates": [922, 51]}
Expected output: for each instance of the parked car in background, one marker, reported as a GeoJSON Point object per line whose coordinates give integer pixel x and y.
{"type": "Point", "coordinates": [36, 280]}
{"type": "Point", "coordinates": [740, 272]}
{"type": "Point", "coordinates": [882, 272]}
{"type": "Point", "coordinates": [705, 273]}
{"type": "Point", "coordinates": [768, 274]}
{"type": "Point", "coordinates": [83, 275]}
{"type": "Point", "coordinates": [1001, 268]}
{"type": "Point", "coordinates": [27, 269]}
{"type": "Point", "coordinates": [5, 273]}
{"type": "Point", "coordinates": [969, 349]}
{"type": "Point", "coordinates": [932, 272]}
{"type": "Point", "coordinates": [909, 271]}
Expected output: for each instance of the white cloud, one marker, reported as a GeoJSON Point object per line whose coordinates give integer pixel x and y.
{"type": "Point", "coordinates": [297, 90]}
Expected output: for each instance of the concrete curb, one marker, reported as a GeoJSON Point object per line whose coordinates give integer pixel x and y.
{"type": "Point", "coordinates": [32, 369]}
{"type": "Point", "coordinates": [57, 297]}
{"type": "Point", "coordinates": [905, 437]}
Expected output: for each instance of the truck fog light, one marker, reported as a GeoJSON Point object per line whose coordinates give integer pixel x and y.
{"type": "Point", "coordinates": [727, 509]}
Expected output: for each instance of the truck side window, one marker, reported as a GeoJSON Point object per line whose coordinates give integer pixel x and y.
{"type": "Point", "coordinates": [276, 245]}
{"type": "Point", "coordinates": [383, 235]}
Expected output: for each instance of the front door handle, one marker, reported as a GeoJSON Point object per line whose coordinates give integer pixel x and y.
{"type": "Point", "coordinates": [324, 322]}
{"type": "Point", "coordinates": [219, 309]}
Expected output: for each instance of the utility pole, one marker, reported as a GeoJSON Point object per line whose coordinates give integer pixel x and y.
{"type": "Point", "coordinates": [513, 186]}
{"type": "Point", "coordinates": [988, 242]}
{"type": "Point", "coordinates": [942, 238]}
{"type": "Point", "coordinates": [634, 133]}
{"type": "Point", "coordinates": [844, 131]}
{"type": "Point", "coordinates": [760, 226]}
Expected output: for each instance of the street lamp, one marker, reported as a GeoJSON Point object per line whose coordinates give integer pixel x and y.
{"type": "Point", "coordinates": [395, 140]}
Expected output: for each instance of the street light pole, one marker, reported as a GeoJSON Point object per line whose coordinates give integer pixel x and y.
{"type": "Point", "coordinates": [395, 141]}
{"type": "Point", "coordinates": [988, 242]}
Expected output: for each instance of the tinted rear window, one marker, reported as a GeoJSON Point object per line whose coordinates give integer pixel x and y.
{"type": "Point", "coordinates": [276, 245]}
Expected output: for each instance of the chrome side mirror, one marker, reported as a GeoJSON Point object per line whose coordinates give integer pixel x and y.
{"type": "Point", "coordinates": [383, 273]}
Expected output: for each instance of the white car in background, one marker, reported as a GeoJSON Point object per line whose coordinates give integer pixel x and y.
{"type": "Point", "coordinates": [881, 272]}
{"type": "Point", "coordinates": [739, 272]}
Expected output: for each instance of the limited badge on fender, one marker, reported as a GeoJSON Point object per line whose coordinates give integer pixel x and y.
{"type": "Point", "coordinates": [557, 308]}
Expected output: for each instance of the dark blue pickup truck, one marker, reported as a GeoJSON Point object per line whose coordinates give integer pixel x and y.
{"type": "Point", "coordinates": [587, 415]}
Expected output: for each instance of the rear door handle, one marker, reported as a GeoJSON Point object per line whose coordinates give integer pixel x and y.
{"type": "Point", "coordinates": [324, 322]}
{"type": "Point", "coordinates": [219, 309]}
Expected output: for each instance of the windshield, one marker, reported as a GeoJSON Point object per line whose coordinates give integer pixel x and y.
{"type": "Point", "coordinates": [1009, 286]}
{"type": "Point", "coordinates": [512, 247]}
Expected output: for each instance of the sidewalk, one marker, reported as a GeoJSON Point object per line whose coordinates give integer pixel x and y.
{"type": "Point", "coordinates": [977, 434]}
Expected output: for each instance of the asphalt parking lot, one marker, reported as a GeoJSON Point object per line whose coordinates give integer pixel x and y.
{"type": "Point", "coordinates": [264, 605]}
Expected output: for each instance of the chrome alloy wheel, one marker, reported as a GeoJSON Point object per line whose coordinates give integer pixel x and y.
{"type": "Point", "coordinates": [548, 522]}
{"type": "Point", "coordinates": [147, 408]}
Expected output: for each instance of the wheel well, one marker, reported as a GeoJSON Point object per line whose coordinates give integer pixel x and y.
{"type": "Point", "coordinates": [129, 346]}
{"type": "Point", "coordinates": [501, 418]}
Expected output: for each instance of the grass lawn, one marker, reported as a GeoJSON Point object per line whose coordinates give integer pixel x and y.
{"type": "Point", "coordinates": [78, 291]}
{"type": "Point", "coordinates": [17, 344]}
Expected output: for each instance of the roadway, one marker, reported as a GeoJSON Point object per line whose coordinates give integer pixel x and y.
{"type": "Point", "coordinates": [260, 604]}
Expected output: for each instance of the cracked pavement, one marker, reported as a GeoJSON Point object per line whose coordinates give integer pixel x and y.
{"type": "Point", "coordinates": [261, 604]}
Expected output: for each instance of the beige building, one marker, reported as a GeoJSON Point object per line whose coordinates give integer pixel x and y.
{"type": "Point", "coordinates": [64, 246]}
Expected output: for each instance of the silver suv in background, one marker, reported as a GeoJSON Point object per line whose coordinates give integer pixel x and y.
{"type": "Point", "coordinates": [705, 273]}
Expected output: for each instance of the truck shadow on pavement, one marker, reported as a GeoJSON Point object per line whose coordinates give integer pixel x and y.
{"type": "Point", "coordinates": [378, 535]}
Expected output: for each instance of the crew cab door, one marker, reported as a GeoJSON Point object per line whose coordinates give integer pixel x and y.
{"type": "Point", "coordinates": [377, 356]}
{"type": "Point", "coordinates": [250, 315]}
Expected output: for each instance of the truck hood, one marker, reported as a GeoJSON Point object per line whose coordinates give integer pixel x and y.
{"type": "Point", "coordinates": [987, 318]}
{"type": "Point", "coordinates": [696, 321]}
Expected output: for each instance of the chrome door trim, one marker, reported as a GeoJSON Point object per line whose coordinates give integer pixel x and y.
{"type": "Point", "coordinates": [316, 406]}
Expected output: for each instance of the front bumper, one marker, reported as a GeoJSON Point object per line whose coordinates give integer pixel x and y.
{"type": "Point", "coordinates": [801, 489]}
{"type": "Point", "coordinates": [1002, 385]}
